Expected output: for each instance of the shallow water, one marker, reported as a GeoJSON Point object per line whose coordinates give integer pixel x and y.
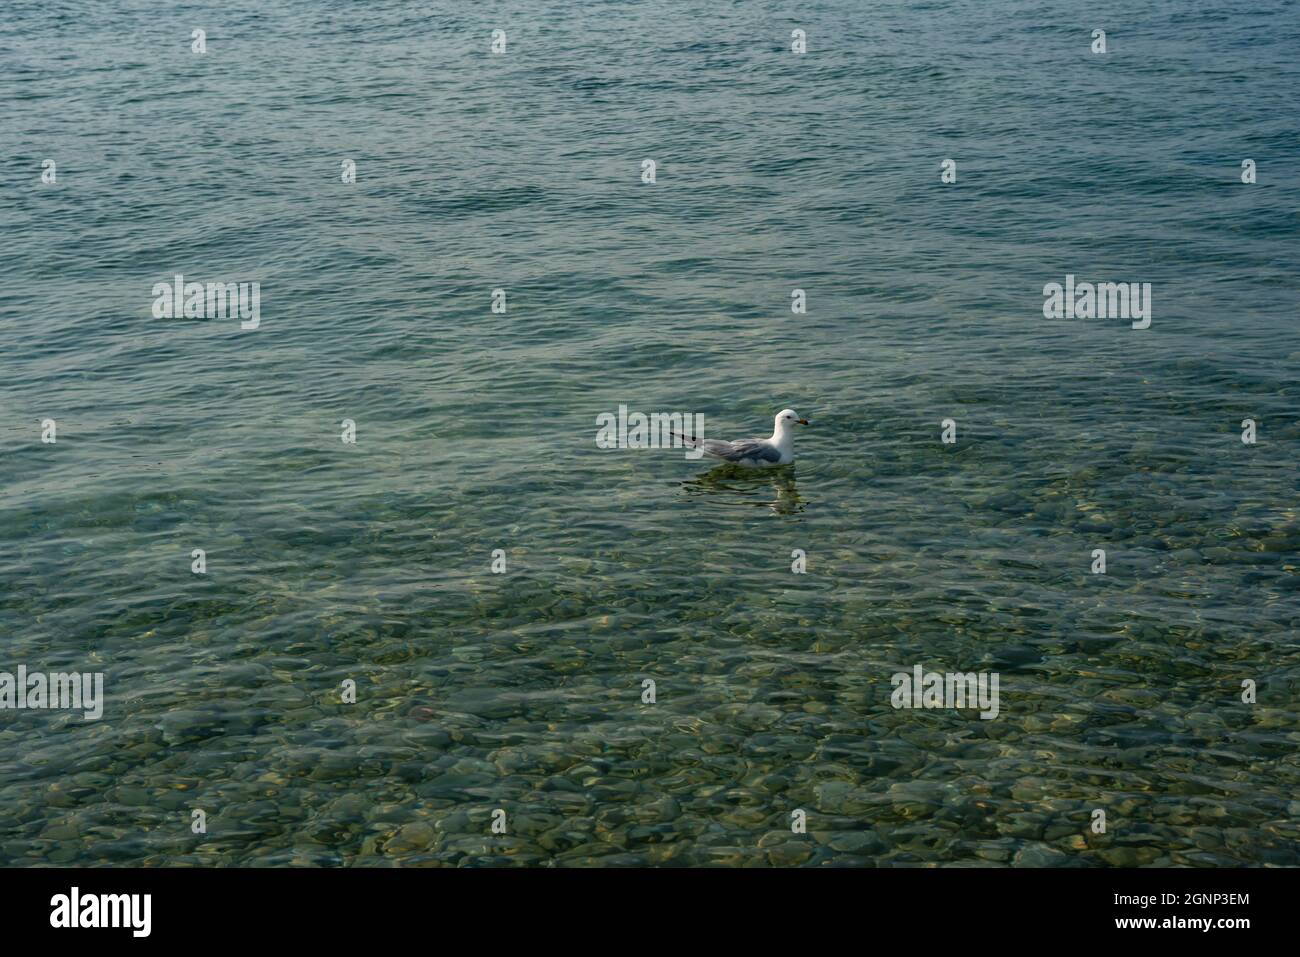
{"type": "Point", "coordinates": [476, 431]}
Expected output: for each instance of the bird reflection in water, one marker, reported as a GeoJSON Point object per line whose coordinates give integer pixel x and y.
{"type": "Point", "coordinates": [751, 487]}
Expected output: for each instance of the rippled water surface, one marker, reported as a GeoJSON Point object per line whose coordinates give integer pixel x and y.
{"type": "Point", "coordinates": [476, 431]}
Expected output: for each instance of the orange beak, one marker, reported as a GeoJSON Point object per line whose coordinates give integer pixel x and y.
{"type": "Point", "coordinates": [803, 422]}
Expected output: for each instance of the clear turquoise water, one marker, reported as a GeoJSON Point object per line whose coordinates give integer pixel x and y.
{"type": "Point", "coordinates": [476, 431]}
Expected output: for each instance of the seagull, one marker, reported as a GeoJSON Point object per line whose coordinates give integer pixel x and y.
{"type": "Point", "coordinates": [755, 453]}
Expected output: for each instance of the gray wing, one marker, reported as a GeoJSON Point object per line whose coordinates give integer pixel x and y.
{"type": "Point", "coordinates": [745, 449]}
{"type": "Point", "coordinates": [733, 451]}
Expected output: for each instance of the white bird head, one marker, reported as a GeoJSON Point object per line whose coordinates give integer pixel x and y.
{"type": "Point", "coordinates": [788, 417]}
